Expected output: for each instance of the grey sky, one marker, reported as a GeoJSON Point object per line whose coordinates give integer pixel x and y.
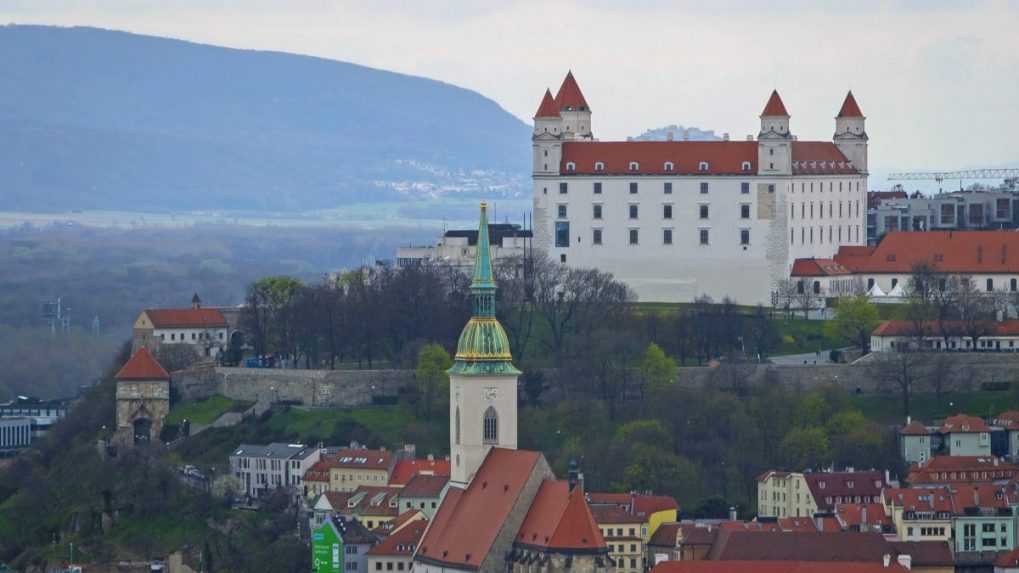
{"type": "Point", "coordinates": [938, 81]}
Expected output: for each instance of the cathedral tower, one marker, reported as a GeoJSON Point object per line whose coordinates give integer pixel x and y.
{"type": "Point", "coordinates": [483, 380]}
{"type": "Point", "coordinates": [850, 133]}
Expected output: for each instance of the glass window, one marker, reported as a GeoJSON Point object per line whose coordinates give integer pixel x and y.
{"type": "Point", "coordinates": [562, 188]}
{"type": "Point", "coordinates": [633, 211]}
{"type": "Point", "coordinates": [562, 211]}
{"type": "Point", "coordinates": [491, 426]}
{"type": "Point", "coordinates": [667, 236]}
{"type": "Point", "coordinates": [596, 236]}
{"type": "Point", "coordinates": [704, 236]}
{"type": "Point", "coordinates": [667, 211]}
{"type": "Point", "coordinates": [634, 237]}
{"type": "Point", "coordinates": [744, 211]}
{"type": "Point", "coordinates": [596, 211]}
{"type": "Point", "coordinates": [703, 211]}
{"type": "Point", "coordinates": [562, 234]}
{"type": "Point", "coordinates": [633, 187]}
{"type": "Point", "coordinates": [744, 188]}
{"type": "Point", "coordinates": [744, 236]}
{"type": "Point", "coordinates": [704, 186]}
{"type": "Point", "coordinates": [668, 187]}
{"type": "Point", "coordinates": [597, 187]}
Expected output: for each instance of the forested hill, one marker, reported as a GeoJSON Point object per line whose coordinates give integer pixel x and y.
{"type": "Point", "coordinates": [94, 118]}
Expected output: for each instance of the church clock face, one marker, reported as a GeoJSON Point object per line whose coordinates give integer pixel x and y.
{"type": "Point", "coordinates": [490, 393]}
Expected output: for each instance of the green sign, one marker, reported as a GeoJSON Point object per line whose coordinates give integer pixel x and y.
{"type": "Point", "coordinates": [326, 549]}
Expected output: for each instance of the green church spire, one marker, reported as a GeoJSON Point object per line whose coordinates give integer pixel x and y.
{"type": "Point", "coordinates": [483, 348]}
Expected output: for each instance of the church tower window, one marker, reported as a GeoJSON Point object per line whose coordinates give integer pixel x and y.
{"type": "Point", "coordinates": [491, 426]}
{"type": "Point", "coordinates": [457, 427]}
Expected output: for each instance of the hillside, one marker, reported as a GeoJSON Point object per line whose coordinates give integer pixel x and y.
{"type": "Point", "coordinates": [94, 118]}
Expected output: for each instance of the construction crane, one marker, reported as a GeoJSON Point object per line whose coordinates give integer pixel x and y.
{"type": "Point", "coordinates": [1009, 175]}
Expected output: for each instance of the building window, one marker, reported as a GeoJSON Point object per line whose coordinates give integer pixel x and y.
{"type": "Point", "coordinates": [668, 187]}
{"type": "Point", "coordinates": [634, 166]}
{"type": "Point", "coordinates": [562, 188]}
{"type": "Point", "coordinates": [990, 285]}
{"type": "Point", "coordinates": [703, 211]}
{"type": "Point", "coordinates": [562, 211]}
{"type": "Point", "coordinates": [667, 236]}
{"type": "Point", "coordinates": [491, 426]}
{"type": "Point", "coordinates": [571, 166]}
{"type": "Point", "coordinates": [599, 166]}
{"type": "Point", "coordinates": [747, 166]}
{"type": "Point", "coordinates": [744, 188]}
{"type": "Point", "coordinates": [596, 236]}
{"type": "Point", "coordinates": [669, 166]}
{"type": "Point", "coordinates": [597, 187]}
{"type": "Point", "coordinates": [704, 236]}
{"type": "Point", "coordinates": [633, 211]}
{"type": "Point", "coordinates": [667, 211]}
{"type": "Point", "coordinates": [704, 187]}
{"type": "Point", "coordinates": [633, 187]}
{"type": "Point", "coordinates": [596, 210]}
{"type": "Point", "coordinates": [634, 236]}
{"type": "Point", "coordinates": [1013, 285]}
{"type": "Point", "coordinates": [562, 234]}
{"type": "Point", "coordinates": [457, 425]}
{"type": "Point", "coordinates": [702, 166]}
{"type": "Point", "coordinates": [744, 236]}
{"type": "Point", "coordinates": [744, 211]}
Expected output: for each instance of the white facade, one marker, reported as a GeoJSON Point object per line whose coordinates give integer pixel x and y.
{"type": "Point", "coordinates": [458, 252]}
{"type": "Point", "coordinates": [262, 469]}
{"type": "Point", "coordinates": [725, 232]}
{"type": "Point", "coordinates": [15, 433]}
{"type": "Point", "coordinates": [472, 399]}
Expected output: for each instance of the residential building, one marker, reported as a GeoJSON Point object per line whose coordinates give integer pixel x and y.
{"type": "Point", "coordinates": [989, 259]}
{"type": "Point", "coordinates": [350, 469]}
{"type": "Point", "coordinates": [204, 329]}
{"type": "Point", "coordinates": [915, 442]}
{"type": "Point", "coordinates": [966, 436]}
{"type": "Point", "coordinates": [816, 546]}
{"type": "Point", "coordinates": [372, 505]}
{"type": "Point", "coordinates": [403, 520]}
{"type": "Point", "coordinates": [42, 413]}
{"type": "Point", "coordinates": [781, 494]}
{"type": "Point", "coordinates": [947, 335]}
{"type": "Point", "coordinates": [424, 493]}
{"type": "Point", "coordinates": [458, 248]}
{"type": "Point", "coordinates": [681, 542]}
{"type": "Point", "coordinates": [958, 210]}
{"type": "Point", "coordinates": [919, 513]}
{"type": "Point", "coordinates": [864, 517]}
{"type": "Point", "coordinates": [1009, 423]}
{"type": "Point", "coordinates": [794, 494]}
{"type": "Point", "coordinates": [622, 531]}
{"type": "Point", "coordinates": [678, 219]}
{"type": "Point", "coordinates": [407, 468]}
{"type": "Point", "coordinates": [985, 518]}
{"type": "Point", "coordinates": [950, 470]}
{"type": "Point", "coordinates": [396, 552]}
{"type": "Point", "coordinates": [263, 469]}
{"type": "Point", "coordinates": [341, 546]}
{"type": "Point", "coordinates": [143, 399]}
{"type": "Point", "coordinates": [316, 479]}
{"type": "Point", "coordinates": [15, 433]}
{"type": "Point", "coordinates": [656, 509]}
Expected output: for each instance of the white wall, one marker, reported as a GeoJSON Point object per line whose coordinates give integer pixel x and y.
{"type": "Point", "coordinates": [473, 396]}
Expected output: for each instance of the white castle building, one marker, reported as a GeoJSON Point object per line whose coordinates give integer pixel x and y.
{"type": "Point", "coordinates": [678, 219]}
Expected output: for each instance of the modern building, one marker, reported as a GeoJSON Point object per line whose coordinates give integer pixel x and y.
{"type": "Point", "coordinates": [678, 219]}
{"type": "Point", "coordinates": [143, 399]}
{"type": "Point", "coordinates": [264, 469]}
{"type": "Point", "coordinates": [204, 329]}
{"type": "Point", "coordinates": [341, 546]}
{"type": "Point", "coordinates": [42, 413]}
{"type": "Point", "coordinates": [15, 433]}
{"type": "Point", "coordinates": [985, 519]}
{"type": "Point", "coordinates": [458, 248]}
{"type": "Point", "coordinates": [955, 211]}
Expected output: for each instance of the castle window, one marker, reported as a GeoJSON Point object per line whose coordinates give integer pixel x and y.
{"type": "Point", "coordinates": [571, 166]}
{"type": "Point", "coordinates": [744, 188]}
{"type": "Point", "coordinates": [633, 187]}
{"type": "Point", "coordinates": [667, 211]}
{"type": "Point", "coordinates": [596, 236]}
{"type": "Point", "coordinates": [668, 187]}
{"type": "Point", "coordinates": [599, 166]}
{"type": "Point", "coordinates": [990, 285]}
{"type": "Point", "coordinates": [746, 166]}
{"type": "Point", "coordinates": [704, 236]}
{"type": "Point", "coordinates": [562, 188]}
{"type": "Point", "coordinates": [491, 426]}
{"type": "Point", "coordinates": [704, 187]}
{"type": "Point", "coordinates": [666, 236]}
{"type": "Point", "coordinates": [702, 166]}
{"type": "Point", "coordinates": [669, 166]}
{"type": "Point", "coordinates": [633, 211]}
{"type": "Point", "coordinates": [744, 237]}
{"type": "Point", "coordinates": [596, 211]}
{"type": "Point", "coordinates": [703, 211]}
{"type": "Point", "coordinates": [561, 211]}
{"type": "Point", "coordinates": [744, 211]}
{"type": "Point", "coordinates": [634, 236]}
{"type": "Point", "coordinates": [597, 187]}
{"type": "Point", "coordinates": [1012, 285]}
{"type": "Point", "coordinates": [634, 166]}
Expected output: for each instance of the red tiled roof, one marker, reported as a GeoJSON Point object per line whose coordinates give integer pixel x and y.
{"type": "Point", "coordinates": [367, 504]}
{"type": "Point", "coordinates": [925, 499]}
{"type": "Point", "coordinates": [825, 485]}
{"type": "Point", "coordinates": [983, 495]}
{"type": "Point", "coordinates": [560, 519]}
{"type": "Point", "coordinates": [964, 252]}
{"type": "Point", "coordinates": [820, 158]}
{"type": "Point", "coordinates": [338, 499]}
{"type": "Point", "coordinates": [604, 514]}
{"type": "Point", "coordinates": [774, 107]}
{"type": "Point", "coordinates": [852, 514]}
{"type": "Point", "coordinates": [1008, 560]}
{"type": "Point", "coordinates": [926, 553]}
{"type": "Point", "coordinates": [914, 428]}
{"type": "Point", "coordinates": [964, 424]}
{"type": "Point", "coordinates": [667, 534]}
{"type": "Point", "coordinates": [642, 503]}
{"type": "Point", "coordinates": [405, 470]}
{"type": "Point", "coordinates": [950, 327]}
{"type": "Point", "coordinates": [961, 469]}
{"type": "Point", "coordinates": [723, 157]}
{"type": "Point", "coordinates": [1008, 420]}
{"type": "Point", "coordinates": [817, 268]}
{"type": "Point", "coordinates": [782, 546]}
{"type": "Point", "coordinates": [423, 485]}
{"type": "Point", "coordinates": [849, 107]}
{"type": "Point", "coordinates": [776, 567]}
{"type": "Point", "coordinates": [394, 525]}
{"type": "Point", "coordinates": [400, 543]}
{"type": "Point", "coordinates": [569, 96]}
{"type": "Point", "coordinates": [547, 107]}
{"type": "Point", "coordinates": [318, 472]}
{"type": "Point", "coordinates": [142, 366]}
{"type": "Point", "coordinates": [361, 459]}
{"type": "Point", "coordinates": [796, 524]}
{"type": "Point", "coordinates": [186, 318]}
{"type": "Point", "coordinates": [468, 521]}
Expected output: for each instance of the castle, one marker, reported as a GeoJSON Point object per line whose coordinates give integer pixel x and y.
{"type": "Point", "coordinates": [678, 219]}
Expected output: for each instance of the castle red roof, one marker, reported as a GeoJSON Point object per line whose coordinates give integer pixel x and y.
{"type": "Point", "coordinates": [722, 157]}
{"type": "Point", "coordinates": [820, 158]}
{"type": "Point", "coordinates": [849, 107]}
{"type": "Point", "coordinates": [560, 519]}
{"type": "Point", "coordinates": [142, 366]}
{"type": "Point", "coordinates": [569, 96]}
{"type": "Point", "coordinates": [956, 252]}
{"type": "Point", "coordinates": [186, 318]}
{"type": "Point", "coordinates": [547, 107]}
{"type": "Point", "coordinates": [774, 107]}
{"type": "Point", "coordinates": [948, 327]}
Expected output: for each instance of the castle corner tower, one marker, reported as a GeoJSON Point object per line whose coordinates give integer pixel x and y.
{"type": "Point", "coordinates": [851, 134]}
{"type": "Point", "coordinates": [483, 380]}
{"type": "Point", "coordinates": [774, 147]}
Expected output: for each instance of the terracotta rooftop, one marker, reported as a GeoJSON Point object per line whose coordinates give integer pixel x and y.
{"type": "Point", "coordinates": [361, 459]}
{"type": "Point", "coordinates": [186, 318]}
{"type": "Point", "coordinates": [569, 96]}
{"type": "Point", "coordinates": [914, 428]}
{"type": "Point", "coordinates": [926, 553]}
{"type": "Point", "coordinates": [964, 424]}
{"type": "Point", "coordinates": [1008, 420]}
{"type": "Point", "coordinates": [776, 567]}
{"type": "Point", "coordinates": [782, 546]}
{"type": "Point", "coordinates": [961, 328]}
{"type": "Point", "coordinates": [142, 366]}
{"type": "Point", "coordinates": [402, 542]}
{"type": "Point", "coordinates": [606, 514]}
{"type": "Point", "coordinates": [405, 470]}
{"type": "Point", "coordinates": [774, 107]}
{"type": "Point", "coordinates": [937, 500]}
{"type": "Point", "coordinates": [1008, 560]}
{"type": "Point", "coordinates": [667, 534]}
{"type": "Point", "coordinates": [817, 268]}
{"type": "Point", "coordinates": [560, 519]}
{"type": "Point", "coordinates": [968, 252]}
{"type": "Point", "coordinates": [961, 469]}
{"type": "Point", "coordinates": [423, 485]}
{"type": "Point", "coordinates": [722, 157]}
{"type": "Point", "coordinates": [547, 107]}
{"type": "Point", "coordinates": [641, 503]}
{"type": "Point", "coordinates": [831, 485]}
{"type": "Point", "coordinates": [849, 107]}
{"type": "Point", "coordinates": [820, 157]}
{"type": "Point", "coordinates": [853, 514]}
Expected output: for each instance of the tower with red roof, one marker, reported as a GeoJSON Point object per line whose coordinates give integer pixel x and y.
{"type": "Point", "coordinates": [774, 152]}
{"type": "Point", "coordinates": [851, 133]}
{"type": "Point", "coordinates": [143, 399]}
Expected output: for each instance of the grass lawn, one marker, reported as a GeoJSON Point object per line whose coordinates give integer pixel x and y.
{"type": "Point", "coordinates": [206, 411]}
{"type": "Point", "coordinates": [799, 335]}
{"type": "Point", "coordinates": [887, 408]}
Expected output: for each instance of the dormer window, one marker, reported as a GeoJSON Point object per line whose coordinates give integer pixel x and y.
{"type": "Point", "coordinates": [599, 166]}
{"type": "Point", "coordinates": [670, 166]}
{"type": "Point", "coordinates": [571, 166]}
{"type": "Point", "coordinates": [746, 166]}
{"type": "Point", "coordinates": [634, 166]}
{"type": "Point", "coordinates": [821, 484]}
{"type": "Point", "coordinates": [702, 166]}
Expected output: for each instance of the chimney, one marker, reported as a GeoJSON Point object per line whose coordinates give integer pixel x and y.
{"type": "Point", "coordinates": [818, 522]}
{"type": "Point", "coordinates": [909, 420]}
{"type": "Point", "coordinates": [668, 136]}
{"type": "Point", "coordinates": [733, 516]}
{"type": "Point", "coordinates": [725, 137]}
{"type": "Point", "coordinates": [906, 561]}
{"type": "Point", "coordinates": [863, 519]}
{"type": "Point", "coordinates": [750, 138]}
{"type": "Point", "coordinates": [887, 559]}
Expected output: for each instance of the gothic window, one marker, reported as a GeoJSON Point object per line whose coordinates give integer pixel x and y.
{"type": "Point", "coordinates": [457, 425]}
{"type": "Point", "coordinates": [491, 426]}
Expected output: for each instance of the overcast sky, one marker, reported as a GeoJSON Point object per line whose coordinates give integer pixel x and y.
{"type": "Point", "coordinates": [938, 81]}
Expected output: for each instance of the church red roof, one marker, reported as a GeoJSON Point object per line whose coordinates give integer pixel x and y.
{"type": "Point", "coordinates": [774, 107]}
{"type": "Point", "coordinates": [849, 107]}
{"type": "Point", "coordinates": [547, 107]}
{"type": "Point", "coordinates": [569, 96]}
{"type": "Point", "coordinates": [560, 519]}
{"type": "Point", "coordinates": [142, 366]}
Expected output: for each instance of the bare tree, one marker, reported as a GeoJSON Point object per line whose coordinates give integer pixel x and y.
{"type": "Point", "coordinates": [784, 296]}
{"type": "Point", "coordinates": [924, 279]}
{"type": "Point", "coordinates": [902, 370]}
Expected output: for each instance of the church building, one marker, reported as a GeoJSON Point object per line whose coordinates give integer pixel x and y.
{"type": "Point", "coordinates": [505, 511]}
{"type": "Point", "coordinates": [678, 219]}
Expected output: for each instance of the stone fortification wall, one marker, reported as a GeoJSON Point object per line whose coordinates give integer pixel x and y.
{"type": "Point", "coordinates": [342, 388]}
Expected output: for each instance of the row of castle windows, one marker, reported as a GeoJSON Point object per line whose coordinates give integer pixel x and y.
{"type": "Point", "coordinates": [633, 237]}
{"type": "Point", "coordinates": [667, 211]}
{"type": "Point", "coordinates": [668, 166]}
{"type": "Point", "coordinates": [807, 234]}
{"type": "Point", "coordinates": [634, 187]}
{"type": "Point", "coordinates": [820, 210]}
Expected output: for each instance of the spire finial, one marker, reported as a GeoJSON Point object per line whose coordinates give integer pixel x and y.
{"type": "Point", "coordinates": [483, 261]}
